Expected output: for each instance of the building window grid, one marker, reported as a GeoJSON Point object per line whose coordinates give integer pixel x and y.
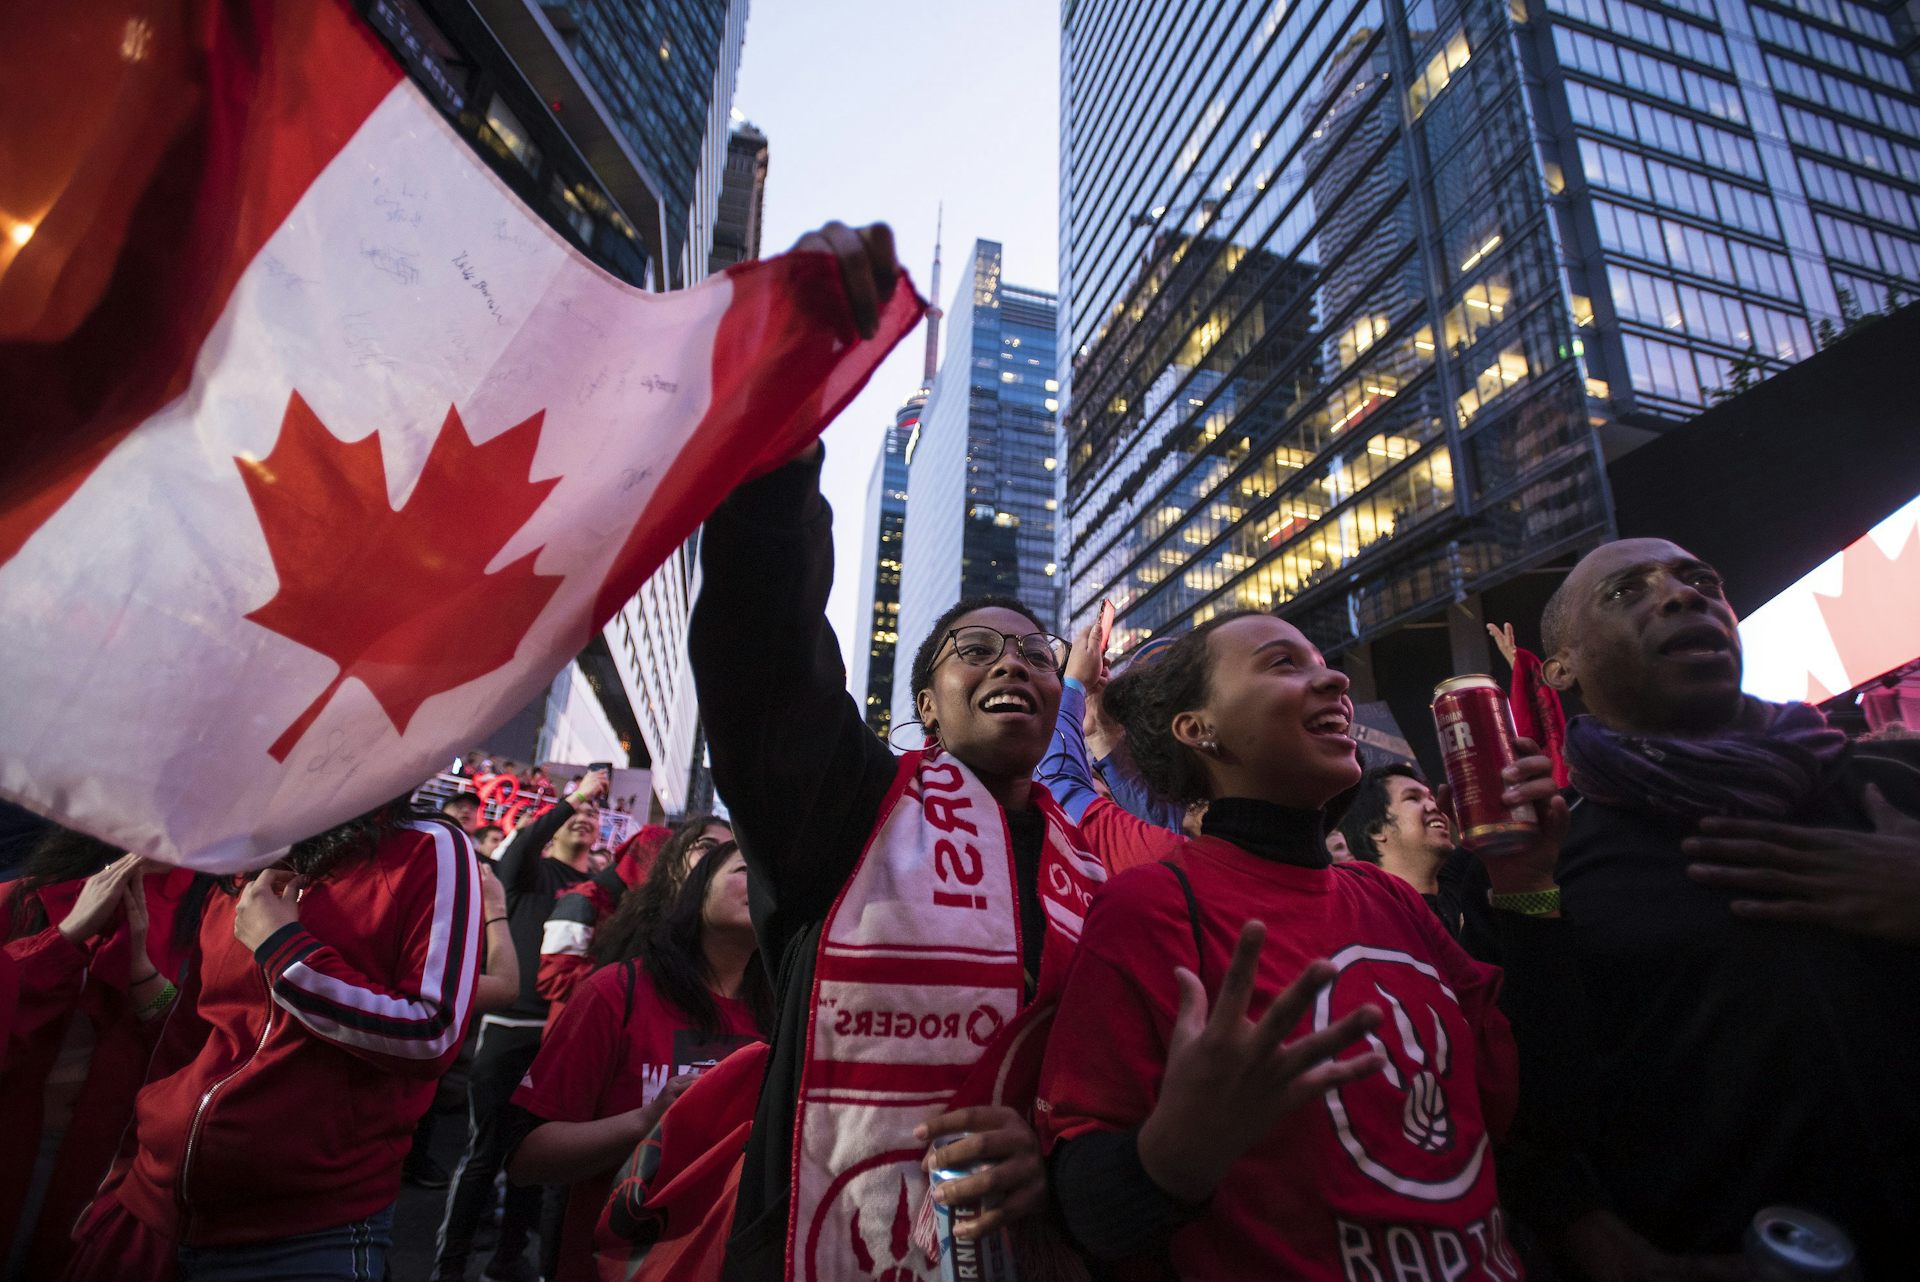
{"type": "Point", "coordinates": [1846, 53]}
{"type": "Point", "coordinates": [1859, 20]}
{"type": "Point", "coordinates": [1103, 565]}
{"type": "Point", "coordinates": [1290, 82]}
{"type": "Point", "coordinates": [1196, 420]}
{"type": "Point", "coordinates": [1199, 576]}
{"type": "Point", "coordinates": [1857, 102]}
{"type": "Point", "coordinates": [1115, 361]}
{"type": "Point", "coordinates": [1262, 476]}
{"type": "Point", "coordinates": [1813, 131]}
{"type": "Point", "coordinates": [1160, 130]}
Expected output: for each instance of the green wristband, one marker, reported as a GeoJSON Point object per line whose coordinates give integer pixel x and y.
{"type": "Point", "coordinates": [160, 1002]}
{"type": "Point", "coordinates": [1528, 903]}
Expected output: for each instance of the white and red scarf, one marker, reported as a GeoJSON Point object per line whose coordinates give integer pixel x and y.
{"type": "Point", "coordinates": [919, 1006]}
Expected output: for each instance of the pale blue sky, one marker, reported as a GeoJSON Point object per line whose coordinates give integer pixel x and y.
{"type": "Point", "coordinates": [876, 111]}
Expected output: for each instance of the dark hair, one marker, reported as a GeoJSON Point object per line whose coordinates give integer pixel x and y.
{"type": "Point", "coordinates": [1367, 813]}
{"type": "Point", "coordinates": [62, 855]}
{"type": "Point", "coordinates": [1145, 699]}
{"type": "Point", "coordinates": [936, 635]}
{"type": "Point", "coordinates": [622, 934]}
{"type": "Point", "coordinates": [484, 829]}
{"type": "Point", "coordinates": [672, 954]}
{"type": "Point", "coordinates": [459, 797]}
{"type": "Point", "coordinates": [1556, 620]}
{"type": "Point", "coordinates": [323, 854]}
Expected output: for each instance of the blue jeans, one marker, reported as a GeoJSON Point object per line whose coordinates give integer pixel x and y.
{"type": "Point", "coordinates": [354, 1252]}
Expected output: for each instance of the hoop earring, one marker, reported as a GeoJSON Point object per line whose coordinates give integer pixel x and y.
{"type": "Point", "coordinates": [932, 734]}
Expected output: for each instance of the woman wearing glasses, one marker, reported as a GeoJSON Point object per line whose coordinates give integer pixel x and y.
{"type": "Point", "coordinates": [917, 910]}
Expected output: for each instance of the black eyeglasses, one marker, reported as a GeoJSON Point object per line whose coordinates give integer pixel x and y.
{"type": "Point", "coordinates": [979, 645]}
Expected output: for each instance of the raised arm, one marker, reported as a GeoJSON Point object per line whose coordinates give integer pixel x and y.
{"type": "Point", "coordinates": [802, 775]}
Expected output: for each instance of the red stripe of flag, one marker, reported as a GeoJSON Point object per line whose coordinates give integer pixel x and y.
{"type": "Point", "coordinates": [200, 126]}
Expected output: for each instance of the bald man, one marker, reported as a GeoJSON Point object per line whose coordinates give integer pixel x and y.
{"type": "Point", "coordinates": [1721, 1017]}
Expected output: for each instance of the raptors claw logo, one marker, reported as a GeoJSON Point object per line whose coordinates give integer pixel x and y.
{"type": "Point", "coordinates": [1423, 1118]}
{"type": "Point", "coordinates": [901, 1244]}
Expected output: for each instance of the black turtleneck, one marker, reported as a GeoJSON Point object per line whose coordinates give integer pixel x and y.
{"type": "Point", "coordinates": [1269, 830]}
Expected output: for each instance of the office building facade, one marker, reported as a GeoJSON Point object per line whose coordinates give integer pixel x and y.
{"type": "Point", "coordinates": [1357, 296]}
{"type": "Point", "coordinates": [981, 463]}
{"type": "Point", "coordinates": [877, 632]}
{"type": "Point", "coordinates": [743, 194]}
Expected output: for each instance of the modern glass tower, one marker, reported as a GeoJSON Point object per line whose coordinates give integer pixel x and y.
{"type": "Point", "coordinates": [981, 463]}
{"type": "Point", "coordinates": [1357, 296]}
{"type": "Point", "coordinates": [877, 635]}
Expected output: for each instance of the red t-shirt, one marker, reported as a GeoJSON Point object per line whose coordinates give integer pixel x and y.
{"type": "Point", "coordinates": [605, 1057]}
{"type": "Point", "coordinates": [1368, 1184]}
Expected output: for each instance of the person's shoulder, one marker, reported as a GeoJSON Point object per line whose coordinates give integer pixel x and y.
{"type": "Point", "coordinates": [1142, 895]}
{"type": "Point", "coordinates": [608, 987]}
{"type": "Point", "coordinates": [1370, 881]}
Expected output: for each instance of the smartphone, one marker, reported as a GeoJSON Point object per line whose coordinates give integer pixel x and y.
{"type": "Point", "coordinates": [1105, 635]}
{"type": "Point", "coordinates": [600, 765]}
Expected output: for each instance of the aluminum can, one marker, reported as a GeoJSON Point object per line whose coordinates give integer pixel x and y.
{"type": "Point", "coordinates": [1788, 1244]}
{"type": "Point", "coordinates": [983, 1259]}
{"type": "Point", "coordinates": [1476, 741]}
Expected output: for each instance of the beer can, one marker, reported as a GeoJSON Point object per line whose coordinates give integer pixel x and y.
{"type": "Point", "coordinates": [1788, 1244]}
{"type": "Point", "coordinates": [1476, 741]}
{"type": "Point", "coordinates": [981, 1259]}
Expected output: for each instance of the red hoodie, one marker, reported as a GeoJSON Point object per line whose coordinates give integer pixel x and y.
{"type": "Point", "coordinates": [304, 1065]}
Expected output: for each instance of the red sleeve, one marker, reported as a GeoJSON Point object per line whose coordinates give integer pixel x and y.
{"type": "Point", "coordinates": [50, 972]}
{"type": "Point", "coordinates": [1121, 840]}
{"type": "Point", "coordinates": [413, 1020]}
{"type": "Point", "coordinates": [560, 974]}
{"type": "Point", "coordinates": [580, 1055]}
{"type": "Point", "coordinates": [1107, 1049]}
{"type": "Point", "coordinates": [1477, 985]}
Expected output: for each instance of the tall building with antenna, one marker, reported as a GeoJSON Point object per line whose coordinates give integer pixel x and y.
{"type": "Point", "coordinates": [879, 628]}
{"type": "Point", "coordinates": [982, 462]}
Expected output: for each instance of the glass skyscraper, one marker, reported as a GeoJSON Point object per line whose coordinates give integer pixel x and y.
{"type": "Point", "coordinates": [877, 636]}
{"type": "Point", "coordinates": [981, 463]}
{"type": "Point", "coordinates": [1357, 296]}
{"type": "Point", "coordinates": [665, 70]}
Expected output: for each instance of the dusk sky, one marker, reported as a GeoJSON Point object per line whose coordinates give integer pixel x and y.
{"type": "Point", "coordinates": [876, 111]}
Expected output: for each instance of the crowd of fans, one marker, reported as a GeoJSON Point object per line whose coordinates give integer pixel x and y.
{"type": "Point", "coordinates": [1144, 960]}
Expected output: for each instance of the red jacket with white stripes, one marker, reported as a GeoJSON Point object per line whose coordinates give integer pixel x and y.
{"type": "Point", "coordinates": [305, 1064]}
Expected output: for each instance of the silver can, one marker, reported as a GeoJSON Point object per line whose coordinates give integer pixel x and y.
{"type": "Point", "coordinates": [981, 1259]}
{"type": "Point", "coordinates": [1788, 1244]}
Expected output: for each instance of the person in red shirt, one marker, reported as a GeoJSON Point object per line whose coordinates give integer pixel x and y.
{"type": "Point", "coordinates": [1207, 1096]}
{"type": "Point", "coordinates": [91, 931]}
{"type": "Point", "coordinates": [328, 994]}
{"type": "Point", "coordinates": [633, 1036]}
{"type": "Point", "coordinates": [656, 861]}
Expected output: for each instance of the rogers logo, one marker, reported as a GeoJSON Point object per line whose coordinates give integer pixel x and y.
{"type": "Point", "coordinates": [983, 1025]}
{"type": "Point", "coordinates": [902, 1024]}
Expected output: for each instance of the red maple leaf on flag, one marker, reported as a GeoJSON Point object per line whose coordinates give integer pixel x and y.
{"type": "Point", "coordinates": [399, 598]}
{"type": "Point", "coordinates": [1873, 619]}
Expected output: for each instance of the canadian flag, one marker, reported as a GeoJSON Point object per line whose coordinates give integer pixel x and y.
{"type": "Point", "coordinates": [322, 453]}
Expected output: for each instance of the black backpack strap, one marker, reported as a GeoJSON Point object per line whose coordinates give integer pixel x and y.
{"type": "Point", "coordinates": [1193, 910]}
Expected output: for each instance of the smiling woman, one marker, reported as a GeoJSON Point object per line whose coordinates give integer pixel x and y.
{"type": "Point", "coordinates": [941, 891]}
{"type": "Point", "coordinates": [1196, 1121]}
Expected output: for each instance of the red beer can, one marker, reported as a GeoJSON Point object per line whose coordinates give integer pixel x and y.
{"type": "Point", "coordinates": [1476, 741]}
